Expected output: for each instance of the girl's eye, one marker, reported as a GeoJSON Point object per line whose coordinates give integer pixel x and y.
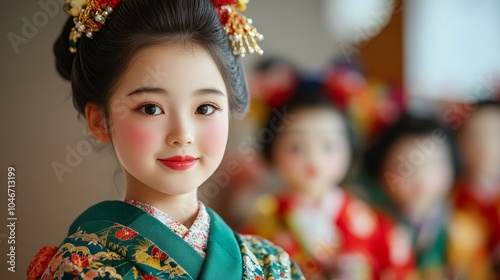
{"type": "Point", "coordinates": [150, 109]}
{"type": "Point", "coordinates": [206, 109]}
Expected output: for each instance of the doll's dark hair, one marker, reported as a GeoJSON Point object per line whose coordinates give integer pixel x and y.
{"type": "Point", "coordinates": [407, 125]}
{"type": "Point", "coordinates": [308, 95]}
{"type": "Point", "coordinates": [475, 107]}
{"type": "Point", "coordinates": [273, 61]}
{"type": "Point", "coordinates": [488, 104]}
{"type": "Point", "coordinates": [99, 63]}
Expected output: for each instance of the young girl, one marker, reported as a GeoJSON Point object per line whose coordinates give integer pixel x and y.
{"type": "Point", "coordinates": [158, 79]}
{"type": "Point", "coordinates": [328, 232]}
{"type": "Point", "coordinates": [412, 168]}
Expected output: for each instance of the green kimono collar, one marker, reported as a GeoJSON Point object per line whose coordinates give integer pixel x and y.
{"type": "Point", "coordinates": [223, 251]}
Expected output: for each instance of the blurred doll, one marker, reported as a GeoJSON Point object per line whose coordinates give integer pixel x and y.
{"type": "Point", "coordinates": [412, 167]}
{"type": "Point", "coordinates": [328, 232]}
{"type": "Point", "coordinates": [475, 246]}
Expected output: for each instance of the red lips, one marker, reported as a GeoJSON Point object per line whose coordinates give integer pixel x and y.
{"type": "Point", "coordinates": [179, 162]}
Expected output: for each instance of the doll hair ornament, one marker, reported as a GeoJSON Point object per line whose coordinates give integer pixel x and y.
{"type": "Point", "coordinates": [89, 17]}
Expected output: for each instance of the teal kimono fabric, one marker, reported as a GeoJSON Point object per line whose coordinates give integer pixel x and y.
{"type": "Point", "coordinates": [116, 240]}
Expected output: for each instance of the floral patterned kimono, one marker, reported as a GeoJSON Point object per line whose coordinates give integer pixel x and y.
{"type": "Point", "coordinates": [341, 238]}
{"type": "Point", "coordinates": [132, 240]}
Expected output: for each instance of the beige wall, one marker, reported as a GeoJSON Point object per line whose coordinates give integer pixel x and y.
{"type": "Point", "coordinates": [39, 124]}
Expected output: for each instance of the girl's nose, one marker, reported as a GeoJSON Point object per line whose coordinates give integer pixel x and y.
{"type": "Point", "coordinates": [181, 134]}
{"type": "Point", "coordinates": [180, 140]}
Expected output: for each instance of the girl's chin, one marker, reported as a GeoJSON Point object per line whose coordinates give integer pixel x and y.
{"type": "Point", "coordinates": [170, 192]}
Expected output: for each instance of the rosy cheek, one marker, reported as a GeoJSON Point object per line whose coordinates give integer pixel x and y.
{"type": "Point", "coordinates": [135, 136]}
{"type": "Point", "coordinates": [213, 137]}
{"type": "Point", "coordinates": [337, 159]}
{"type": "Point", "coordinates": [289, 162]}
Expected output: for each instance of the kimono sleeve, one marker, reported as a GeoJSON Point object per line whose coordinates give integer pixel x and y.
{"type": "Point", "coordinates": [82, 257]}
{"type": "Point", "coordinates": [261, 257]}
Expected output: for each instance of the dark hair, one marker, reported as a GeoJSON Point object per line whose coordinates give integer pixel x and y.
{"type": "Point", "coordinates": [308, 95]}
{"type": "Point", "coordinates": [475, 107]}
{"type": "Point", "coordinates": [407, 125]}
{"type": "Point", "coordinates": [273, 61]}
{"type": "Point", "coordinates": [487, 104]}
{"type": "Point", "coordinates": [99, 63]}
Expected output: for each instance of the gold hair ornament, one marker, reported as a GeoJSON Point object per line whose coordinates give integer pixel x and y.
{"type": "Point", "coordinates": [243, 35]}
{"type": "Point", "coordinates": [90, 15]}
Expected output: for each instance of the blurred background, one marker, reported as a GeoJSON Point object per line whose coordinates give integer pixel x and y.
{"type": "Point", "coordinates": [377, 59]}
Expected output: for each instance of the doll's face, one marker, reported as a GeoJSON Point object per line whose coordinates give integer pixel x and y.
{"type": "Point", "coordinates": [480, 143]}
{"type": "Point", "coordinates": [312, 152]}
{"type": "Point", "coordinates": [421, 172]}
{"type": "Point", "coordinates": [171, 101]}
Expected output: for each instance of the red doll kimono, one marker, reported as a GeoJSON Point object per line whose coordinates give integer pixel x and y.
{"type": "Point", "coordinates": [341, 237]}
{"type": "Point", "coordinates": [474, 248]}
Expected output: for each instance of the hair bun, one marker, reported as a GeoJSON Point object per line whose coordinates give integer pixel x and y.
{"type": "Point", "coordinates": [64, 58]}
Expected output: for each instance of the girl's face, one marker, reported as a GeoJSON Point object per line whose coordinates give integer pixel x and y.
{"type": "Point", "coordinates": [479, 142]}
{"type": "Point", "coordinates": [169, 119]}
{"type": "Point", "coordinates": [312, 151]}
{"type": "Point", "coordinates": [418, 173]}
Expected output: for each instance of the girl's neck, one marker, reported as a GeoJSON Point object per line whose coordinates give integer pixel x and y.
{"type": "Point", "coordinates": [182, 208]}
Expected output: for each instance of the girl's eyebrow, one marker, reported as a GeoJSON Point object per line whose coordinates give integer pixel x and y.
{"type": "Point", "coordinates": [199, 92]}
{"type": "Point", "coordinates": [205, 91]}
{"type": "Point", "coordinates": [147, 90]}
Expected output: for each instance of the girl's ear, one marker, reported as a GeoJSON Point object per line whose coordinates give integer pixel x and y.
{"type": "Point", "coordinates": [96, 122]}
